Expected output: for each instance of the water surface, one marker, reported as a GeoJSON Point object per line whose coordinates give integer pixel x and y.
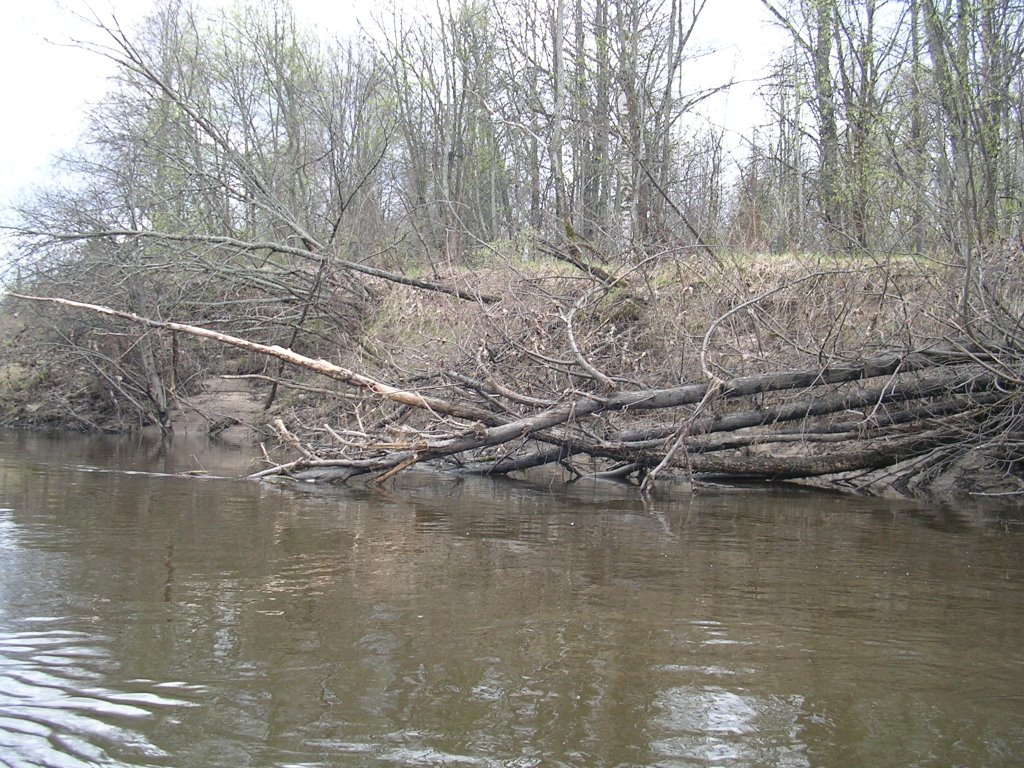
{"type": "Point", "coordinates": [149, 618]}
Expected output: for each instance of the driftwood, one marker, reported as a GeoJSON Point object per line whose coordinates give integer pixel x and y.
{"type": "Point", "coordinates": [850, 417]}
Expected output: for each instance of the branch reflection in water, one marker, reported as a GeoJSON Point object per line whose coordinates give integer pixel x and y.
{"type": "Point", "coordinates": [153, 619]}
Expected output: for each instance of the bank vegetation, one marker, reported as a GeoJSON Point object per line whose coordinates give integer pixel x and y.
{"type": "Point", "coordinates": [498, 238]}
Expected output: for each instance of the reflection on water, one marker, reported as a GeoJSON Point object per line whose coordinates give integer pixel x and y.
{"type": "Point", "coordinates": [56, 707]}
{"type": "Point", "coordinates": [709, 725]}
{"type": "Point", "coordinates": [153, 619]}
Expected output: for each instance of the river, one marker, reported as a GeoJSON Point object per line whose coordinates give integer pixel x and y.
{"type": "Point", "coordinates": [153, 619]}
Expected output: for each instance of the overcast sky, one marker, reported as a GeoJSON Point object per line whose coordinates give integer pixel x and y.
{"type": "Point", "coordinates": [46, 84]}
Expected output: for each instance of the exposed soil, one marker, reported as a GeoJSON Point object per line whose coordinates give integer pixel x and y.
{"type": "Point", "coordinates": [227, 408]}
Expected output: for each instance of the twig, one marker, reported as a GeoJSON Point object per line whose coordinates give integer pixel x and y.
{"type": "Point", "coordinates": [609, 384]}
{"type": "Point", "coordinates": [289, 439]}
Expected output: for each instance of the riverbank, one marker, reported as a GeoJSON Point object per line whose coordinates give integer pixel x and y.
{"type": "Point", "coordinates": [836, 372]}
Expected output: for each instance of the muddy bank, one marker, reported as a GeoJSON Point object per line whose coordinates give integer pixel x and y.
{"type": "Point", "coordinates": [225, 407]}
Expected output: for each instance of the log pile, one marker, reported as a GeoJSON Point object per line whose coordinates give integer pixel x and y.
{"type": "Point", "coordinates": [915, 409]}
{"type": "Point", "coordinates": [841, 419]}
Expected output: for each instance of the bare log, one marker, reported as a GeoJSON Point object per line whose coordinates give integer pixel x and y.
{"type": "Point", "coordinates": [322, 367]}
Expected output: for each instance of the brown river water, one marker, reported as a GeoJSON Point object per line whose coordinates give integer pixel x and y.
{"type": "Point", "coordinates": [147, 618]}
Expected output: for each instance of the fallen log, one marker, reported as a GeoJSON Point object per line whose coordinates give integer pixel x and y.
{"type": "Point", "coordinates": [907, 404]}
{"type": "Point", "coordinates": [322, 367]}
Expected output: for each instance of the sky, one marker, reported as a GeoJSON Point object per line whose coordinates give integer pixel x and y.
{"type": "Point", "coordinates": [46, 83]}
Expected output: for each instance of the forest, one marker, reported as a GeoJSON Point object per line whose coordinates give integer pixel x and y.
{"type": "Point", "coordinates": [499, 236]}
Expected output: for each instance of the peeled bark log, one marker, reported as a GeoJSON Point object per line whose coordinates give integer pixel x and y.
{"type": "Point", "coordinates": [322, 367]}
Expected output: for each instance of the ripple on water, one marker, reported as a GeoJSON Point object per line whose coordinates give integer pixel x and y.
{"type": "Point", "coordinates": [58, 707]}
{"type": "Point", "coordinates": [713, 725]}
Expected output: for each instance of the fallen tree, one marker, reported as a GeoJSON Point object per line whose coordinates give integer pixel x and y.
{"type": "Point", "coordinates": [840, 420]}
{"type": "Point", "coordinates": [472, 310]}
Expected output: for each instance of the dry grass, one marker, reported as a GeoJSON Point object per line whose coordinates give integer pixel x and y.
{"type": "Point", "coordinates": [794, 312]}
